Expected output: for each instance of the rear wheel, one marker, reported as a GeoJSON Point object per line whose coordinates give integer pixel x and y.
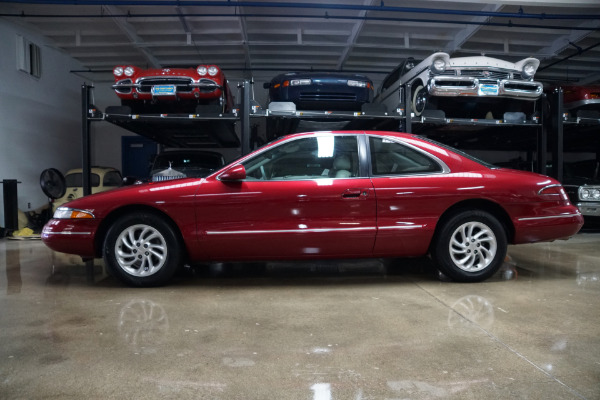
{"type": "Point", "coordinates": [470, 246]}
{"type": "Point", "coordinates": [142, 249]}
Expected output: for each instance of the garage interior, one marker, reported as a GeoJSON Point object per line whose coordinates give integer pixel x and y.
{"type": "Point", "coordinates": [349, 329]}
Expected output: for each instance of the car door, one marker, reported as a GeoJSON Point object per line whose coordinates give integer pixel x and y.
{"type": "Point", "coordinates": [302, 198]}
{"type": "Point", "coordinates": [409, 186]}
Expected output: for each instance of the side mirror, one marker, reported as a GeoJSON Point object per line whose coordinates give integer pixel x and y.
{"type": "Point", "coordinates": [266, 85]}
{"type": "Point", "coordinates": [236, 173]}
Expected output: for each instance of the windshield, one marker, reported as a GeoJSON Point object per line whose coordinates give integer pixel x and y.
{"type": "Point", "coordinates": [76, 180]}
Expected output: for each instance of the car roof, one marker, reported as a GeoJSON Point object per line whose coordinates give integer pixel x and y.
{"type": "Point", "coordinates": [95, 170]}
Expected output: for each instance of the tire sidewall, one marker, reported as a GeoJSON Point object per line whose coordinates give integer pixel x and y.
{"type": "Point", "coordinates": [173, 259]}
{"type": "Point", "coordinates": [441, 252]}
{"type": "Point", "coordinates": [415, 96]}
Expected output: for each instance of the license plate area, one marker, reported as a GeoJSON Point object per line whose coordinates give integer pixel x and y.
{"type": "Point", "coordinates": [164, 90]}
{"type": "Point", "coordinates": [488, 90]}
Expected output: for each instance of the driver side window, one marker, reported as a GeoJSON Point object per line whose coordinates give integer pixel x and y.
{"type": "Point", "coordinates": [307, 158]}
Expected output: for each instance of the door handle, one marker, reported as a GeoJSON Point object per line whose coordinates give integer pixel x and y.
{"type": "Point", "coordinates": [355, 193]}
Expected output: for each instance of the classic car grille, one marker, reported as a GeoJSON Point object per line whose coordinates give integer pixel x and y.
{"type": "Point", "coordinates": [316, 96]}
{"type": "Point", "coordinates": [212, 85]}
{"type": "Point", "coordinates": [521, 87]}
{"type": "Point", "coordinates": [448, 72]}
{"type": "Point", "coordinates": [485, 74]}
{"type": "Point", "coordinates": [124, 90]}
{"type": "Point", "coordinates": [183, 84]}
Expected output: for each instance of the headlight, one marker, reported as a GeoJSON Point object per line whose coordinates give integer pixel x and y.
{"type": "Point", "coordinates": [357, 83]}
{"type": "Point", "coordinates": [300, 82]}
{"type": "Point", "coordinates": [438, 65]}
{"type": "Point", "coordinates": [212, 71]}
{"type": "Point", "coordinates": [589, 193]}
{"type": "Point", "coordinates": [71, 213]}
{"type": "Point", "coordinates": [528, 70]}
{"type": "Point", "coordinates": [128, 71]}
{"type": "Point", "coordinates": [202, 71]}
{"type": "Point", "coordinates": [118, 71]}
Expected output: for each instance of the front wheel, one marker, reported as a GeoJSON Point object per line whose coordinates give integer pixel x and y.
{"type": "Point", "coordinates": [470, 246]}
{"type": "Point", "coordinates": [419, 100]}
{"type": "Point", "coordinates": [142, 249]}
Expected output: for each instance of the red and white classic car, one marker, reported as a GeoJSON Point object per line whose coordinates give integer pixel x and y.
{"type": "Point", "coordinates": [160, 90]}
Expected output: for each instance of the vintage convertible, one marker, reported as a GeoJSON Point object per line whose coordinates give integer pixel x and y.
{"type": "Point", "coordinates": [172, 90]}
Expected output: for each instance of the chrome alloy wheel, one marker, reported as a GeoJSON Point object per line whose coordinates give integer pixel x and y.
{"type": "Point", "coordinates": [473, 246]}
{"type": "Point", "coordinates": [141, 250]}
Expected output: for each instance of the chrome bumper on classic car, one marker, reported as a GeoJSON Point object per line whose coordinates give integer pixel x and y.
{"type": "Point", "coordinates": [589, 209]}
{"type": "Point", "coordinates": [469, 86]}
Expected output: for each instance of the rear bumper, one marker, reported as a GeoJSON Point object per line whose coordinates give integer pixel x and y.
{"type": "Point", "coordinates": [547, 227]}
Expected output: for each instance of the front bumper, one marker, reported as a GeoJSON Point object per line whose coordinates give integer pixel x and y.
{"type": "Point", "coordinates": [73, 236]}
{"type": "Point", "coordinates": [453, 86]}
{"type": "Point", "coordinates": [589, 209]}
{"type": "Point", "coordinates": [142, 89]}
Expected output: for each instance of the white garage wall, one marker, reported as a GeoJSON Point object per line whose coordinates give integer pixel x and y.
{"type": "Point", "coordinates": [40, 124]}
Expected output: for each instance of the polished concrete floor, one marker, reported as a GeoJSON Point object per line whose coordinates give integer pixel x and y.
{"type": "Point", "coordinates": [315, 331]}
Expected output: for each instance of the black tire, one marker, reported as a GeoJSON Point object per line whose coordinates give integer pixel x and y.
{"type": "Point", "coordinates": [142, 249]}
{"type": "Point", "coordinates": [470, 246]}
{"type": "Point", "coordinates": [419, 100]}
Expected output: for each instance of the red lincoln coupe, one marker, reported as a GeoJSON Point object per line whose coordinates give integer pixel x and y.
{"type": "Point", "coordinates": [321, 195]}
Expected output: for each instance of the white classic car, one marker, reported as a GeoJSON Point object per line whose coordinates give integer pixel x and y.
{"type": "Point", "coordinates": [475, 79]}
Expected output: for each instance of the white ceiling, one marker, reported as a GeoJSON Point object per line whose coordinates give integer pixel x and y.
{"type": "Point", "coordinates": [264, 37]}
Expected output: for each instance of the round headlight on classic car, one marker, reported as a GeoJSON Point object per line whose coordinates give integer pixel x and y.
{"type": "Point", "coordinates": [212, 70]}
{"type": "Point", "coordinates": [438, 65]}
{"type": "Point", "coordinates": [528, 70]}
{"type": "Point", "coordinates": [128, 71]}
{"type": "Point", "coordinates": [118, 71]}
{"type": "Point", "coordinates": [588, 193]}
{"type": "Point", "coordinates": [202, 70]}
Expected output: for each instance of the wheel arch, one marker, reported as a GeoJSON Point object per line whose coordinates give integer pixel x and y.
{"type": "Point", "coordinates": [488, 206]}
{"type": "Point", "coordinates": [114, 215]}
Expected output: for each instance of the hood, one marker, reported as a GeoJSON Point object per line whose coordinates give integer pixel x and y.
{"type": "Point", "coordinates": [483, 61]}
{"type": "Point", "coordinates": [322, 76]}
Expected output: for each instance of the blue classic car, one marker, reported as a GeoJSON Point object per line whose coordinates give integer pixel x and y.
{"type": "Point", "coordinates": [321, 91]}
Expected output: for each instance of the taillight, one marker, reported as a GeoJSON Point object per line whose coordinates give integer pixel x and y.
{"type": "Point", "coordinates": [553, 192]}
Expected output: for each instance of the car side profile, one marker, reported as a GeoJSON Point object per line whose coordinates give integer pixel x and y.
{"type": "Point", "coordinates": [458, 85]}
{"type": "Point", "coordinates": [321, 195]}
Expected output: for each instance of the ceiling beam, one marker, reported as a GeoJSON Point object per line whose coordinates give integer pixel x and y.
{"type": "Point", "coordinates": [590, 78]}
{"type": "Point", "coordinates": [129, 31]}
{"type": "Point", "coordinates": [564, 41]}
{"type": "Point", "coordinates": [465, 34]}
{"type": "Point", "coordinates": [356, 29]}
{"type": "Point", "coordinates": [244, 34]}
